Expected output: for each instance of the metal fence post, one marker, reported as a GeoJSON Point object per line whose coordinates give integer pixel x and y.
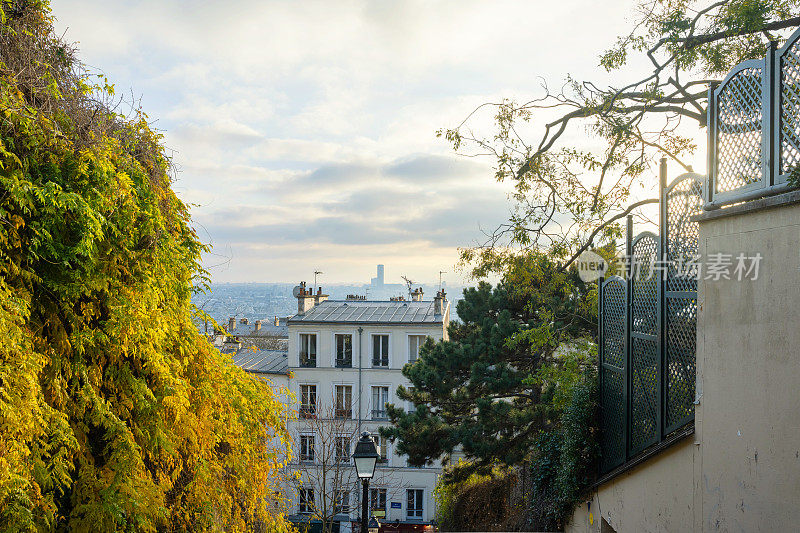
{"type": "Point", "coordinates": [628, 328]}
{"type": "Point", "coordinates": [600, 357]}
{"type": "Point", "coordinates": [770, 155]}
{"type": "Point", "coordinates": [660, 284]}
{"type": "Point", "coordinates": [711, 125]}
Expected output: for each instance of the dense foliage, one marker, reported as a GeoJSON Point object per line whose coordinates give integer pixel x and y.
{"type": "Point", "coordinates": [115, 414]}
{"type": "Point", "coordinates": [537, 495]}
{"type": "Point", "coordinates": [479, 502]}
{"type": "Point", "coordinates": [513, 387]}
{"type": "Point", "coordinates": [502, 376]}
{"type": "Point", "coordinates": [565, 462]}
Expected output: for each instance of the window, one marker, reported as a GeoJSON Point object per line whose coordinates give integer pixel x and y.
{"type": "Point", "coordinates": [306, 504]}
{"type": "Point", "coordinates": [383, 446]}
{"type": "Point", "coordinates": [308, 350]}
{"type": "Point", "coordinates": [344, 351]}
{"type": "Point", "coordinates": [342, 505]}
{"type": "Point", "coordinates": [342, 449]}
{"type": "Point", "coordinates": [344, 401]}
{"type": "Point", "coordinates": [411, 407]}
{"type": "Point", "coordinates": [307, 448]}
{"type": "Point", "coordinates": [377, 500]}
{"type": "Point", "coordinates": [380, 350]}
{"type": "Point", "coordinates": [415, 342]}
{"type": "Point", "coordinates": [414, 504]}
{"type": "Point", "coordinates": [308, 401]}
{"type": "Point", "coordinates": [380, 397]}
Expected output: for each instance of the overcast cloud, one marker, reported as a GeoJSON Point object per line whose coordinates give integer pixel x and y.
{"type": "Point", "coordinates": [305, 131]}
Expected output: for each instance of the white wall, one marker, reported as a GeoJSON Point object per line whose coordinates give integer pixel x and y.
{"type": "Point", "coordinates": [326, 376]}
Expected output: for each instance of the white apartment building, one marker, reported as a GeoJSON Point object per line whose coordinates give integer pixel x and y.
{"type": "Point", "coordinates": [345, 360]}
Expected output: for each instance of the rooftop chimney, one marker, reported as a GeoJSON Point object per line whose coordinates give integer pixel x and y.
{"type": "Point", "coordinates": [277, 321]}
{"type": "Point", "coordinates": [319, 298]}
{"type": "Point", "coordinates": [439, 302]}
{"type": "Point", "coordinates": [231, 345]}
{"type": "Point", "coordinates": [231, 324]}
{"type": "Point", "coordinates": [305, 299]}
{"type": "Point", "coordinates": [257, 326]}
{"type": "Point", "coordinates": [416, 295]}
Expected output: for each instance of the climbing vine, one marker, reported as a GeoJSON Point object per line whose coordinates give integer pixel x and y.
{"type": "Point", "coordinates": [115, 414]}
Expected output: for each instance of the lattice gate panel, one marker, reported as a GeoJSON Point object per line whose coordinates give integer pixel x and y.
{"type": "Point", "coordinates": [681, 342]}
{"type": "Point", "coordinates": [682, 201]}
{"type": "Point", "coordinates": [645, 360]}
{"type": "Point", "coordinates": [612, 368]}
{"type": "Point", "coordinates": [739, 130]}
{"type": "Point", "coordinates": [789, 132]}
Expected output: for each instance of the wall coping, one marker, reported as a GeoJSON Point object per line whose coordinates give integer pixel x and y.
{"type": "Point", "coordinates": [787, 198]}
{"type": "Point", "coordinates": [677, 436]}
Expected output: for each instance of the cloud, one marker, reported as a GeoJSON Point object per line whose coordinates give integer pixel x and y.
{"type": "Point", "coordinates": [423, 166]}
{"type": "Point", "coordinates": [305, 132]}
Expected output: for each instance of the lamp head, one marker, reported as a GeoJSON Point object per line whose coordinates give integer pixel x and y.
{"type": "Point", "coordinates": [365, 456]}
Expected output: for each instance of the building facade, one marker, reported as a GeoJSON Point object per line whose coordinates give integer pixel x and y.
{"type": "Point", "coordinates": [345, 359]}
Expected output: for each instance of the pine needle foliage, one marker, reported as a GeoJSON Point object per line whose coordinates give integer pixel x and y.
{"type": "Point", "coordinates": [115, 414]}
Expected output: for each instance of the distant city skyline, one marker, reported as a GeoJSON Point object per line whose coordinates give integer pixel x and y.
{"type": "Point", "coordinates": [304, 134]}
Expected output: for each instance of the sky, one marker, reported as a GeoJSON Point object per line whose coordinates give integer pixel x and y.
{"type": "Point", "coordinates": [304, 132]}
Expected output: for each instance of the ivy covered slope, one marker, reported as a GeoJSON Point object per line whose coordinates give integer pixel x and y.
{"type": "Point", "coordinates": [115, 414]}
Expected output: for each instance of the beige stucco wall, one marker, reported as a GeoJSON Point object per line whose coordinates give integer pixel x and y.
{"type": "Point", "coordinates": [740, 471]}
{"type": "Point", "coordinates": [749, 358]}
{"type": "Point", "coordinates": [656, 496]}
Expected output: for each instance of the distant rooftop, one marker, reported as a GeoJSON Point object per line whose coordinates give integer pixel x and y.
{"type": "Point", "coordinates": [370, 312]}
{"type": "Point", "coordinates": [262, 361]}
{"type": "Point", "coordinates": [266, 330]}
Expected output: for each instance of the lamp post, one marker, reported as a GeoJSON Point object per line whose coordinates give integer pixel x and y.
{"type": "Point", "coordinates": [374, 525]}
{"type": "Point", "coordinates": [365, 457]}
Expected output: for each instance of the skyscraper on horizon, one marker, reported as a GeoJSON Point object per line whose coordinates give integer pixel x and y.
{"type": "Point", "coordinates": [378, 281]}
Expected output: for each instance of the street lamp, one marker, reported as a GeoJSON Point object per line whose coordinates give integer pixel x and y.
{"type": "Point", "coordinates": [374, 525]}
{"type": "Point", "coordinates": [365, 457]}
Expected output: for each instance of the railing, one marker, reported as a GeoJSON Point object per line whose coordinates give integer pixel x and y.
{"type": "Point", "coordinates": [754, 127]}
{"type": "Point", "coordinates": [307, 361]}
{"type": "Point", "coordinates": [308, 411]}
{"type": "Point", "coordinates": [344, 363]}
{"type": "Point", "coordinates": [647, 324]}
{"type": "Point", "coordinates": [343, 413]}
{"type": "Point", "coordinates": [379, 414]}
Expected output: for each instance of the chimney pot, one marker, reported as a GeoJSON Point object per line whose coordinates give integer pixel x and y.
{"type": "Point", "coordinates": [438, 303]}
{"type": "Point", "coordinates": [277, 321]}
{"type": "Point", "coordinates": [231, 324]}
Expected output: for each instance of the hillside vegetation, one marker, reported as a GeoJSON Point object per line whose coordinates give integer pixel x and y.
{"type": "Point", "coordinates": [115, 414]}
